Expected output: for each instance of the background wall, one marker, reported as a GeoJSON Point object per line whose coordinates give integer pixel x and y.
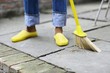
{"type": "Point", "coordinates": [9, 8]}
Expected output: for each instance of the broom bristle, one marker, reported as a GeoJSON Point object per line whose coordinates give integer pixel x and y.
{"type": "Point", "coordinates": [85, 43]}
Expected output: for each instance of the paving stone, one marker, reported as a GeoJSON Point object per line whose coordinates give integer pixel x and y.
{"type": "Point", "coordinates": [35, 66]}
{"type": "Point", "coordinates": [85, 7]}
{"type": "Point", "coordinates": [6, 51]}
{"type": "Point", "coordinates": [82, 61]}
{"type": "Point", "coordinates": [9, 52]}
{"type": "Point", "coordinates": [45, 18]}
{"type": "Point", "coordinates": [6, 62]}
{"type": "Point", "coordinates": [71, 59]}
{"type": "Point", "coordinates": [16, 58]}
{"type": "Point", "coordinates": [17, 23]}
{"type": "Point", "coordinates": [55, 70]}
{"type": "Point", "coordinates": [4, 48]}
{"type": "Point", "coordinates": [39, 69]}
{"type": "Point", "coordinates": [92, 15]}
{"type": "Point", "coordinates": [86, 24]}
{"type": "Point", "coordinates": [103, 45]}
{"type": "Point", "coordinates": [25, 67]}
{"type": "Point", "coordinates": [36, 47]}
{"type": "Point", "coordinates": [102, 33]}
{"type": "Point", "coordinates": [29, 66]}
{"type": "Point", "coordinates": [11, 25]}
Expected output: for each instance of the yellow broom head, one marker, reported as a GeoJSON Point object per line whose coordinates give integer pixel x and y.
{"type": "Point", "coordinates": [85, 43]}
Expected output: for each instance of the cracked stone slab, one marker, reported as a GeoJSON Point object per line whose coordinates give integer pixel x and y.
{"type": "Point", "coordinates": [82, 61]}
{"type": "Point", "coordinates": [92, 15]}
{"type": "Point", "coordinates": [44, 43]}
{"type": "Point", "coordinates": [38, 46]}
{"type": "Point", "coordinates": [17, 23]}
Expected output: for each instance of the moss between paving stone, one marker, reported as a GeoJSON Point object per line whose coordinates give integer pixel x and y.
{"type": "Point", "coordinates": [5, 51]}
{"type": "Point", "coordinates": [16, 58]}
{"type": "Point", "coordinates": [35, 66]}
{"type": "Point", "coordinates": [11, 60]}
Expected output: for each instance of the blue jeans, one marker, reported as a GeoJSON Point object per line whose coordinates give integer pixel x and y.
{"type": "Point", "coordinates": [32, 12]}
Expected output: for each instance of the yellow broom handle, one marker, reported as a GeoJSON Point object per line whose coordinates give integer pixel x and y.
{"type": "Point", "coordinates": [74, 12]}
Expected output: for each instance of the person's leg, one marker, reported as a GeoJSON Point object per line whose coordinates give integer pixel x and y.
{"type": "Point", "coordinates": [31, 19]}
{"type": "Point", "coordinates": [31, 14]}
{"type": "Point", "coordinates": [59, 21]}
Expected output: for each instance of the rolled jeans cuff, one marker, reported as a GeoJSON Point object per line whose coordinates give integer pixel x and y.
{"type": "Point", "coordinates": [59, 19]}
{"type": "Point", "coordinates": [31, 20]}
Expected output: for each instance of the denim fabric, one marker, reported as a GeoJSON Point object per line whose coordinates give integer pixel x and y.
{"type": "Point", "coordinates": [32, 12]}
{"type": "Point", "coordinates": [31, 7]}
{"type": "Point", "coordinates": [59, 20]}
{"type": "Point", "coordinates": [59, 6]}
{"type": "Point", "coordinates": [31, 20]}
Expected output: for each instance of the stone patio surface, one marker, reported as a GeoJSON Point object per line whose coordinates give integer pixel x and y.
{"type": "Point", "coordinates": [42, 55]}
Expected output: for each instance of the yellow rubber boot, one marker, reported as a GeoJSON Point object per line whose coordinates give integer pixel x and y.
{"type": "Point", "coordinates": [23, 35]}
{"type": "Point", "coordinates": [60, 39]}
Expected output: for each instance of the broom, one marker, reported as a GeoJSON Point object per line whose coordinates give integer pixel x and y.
{"type": "Point", "coordinates": [81, 40]}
